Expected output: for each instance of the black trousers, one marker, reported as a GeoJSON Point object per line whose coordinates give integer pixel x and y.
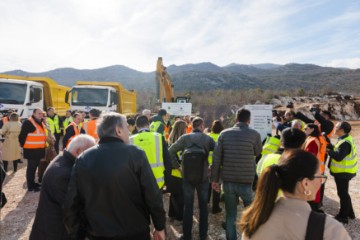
{"type": "Point", "coordinates": [30, 172]}
{"type": "Point", "coordinates": [176, 203]}
{"type": "Point", "coordinates": [14, 164]}
{"type": "Point", "coordinates": [346, 208]}
{"type": "Point", "coordinates": [57, 141]}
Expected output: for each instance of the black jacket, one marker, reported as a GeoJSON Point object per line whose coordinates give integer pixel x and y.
{"type": "Point", "coordinates": [48, 224]}
{"type": "Point", "coordinates": [26, 128]}
{"type": "Point", "coordinates": [326, 125]}
{"type": "Point", "coordinates": [112, 184]}
{"type": "Point", "coordinates": [186, 140]}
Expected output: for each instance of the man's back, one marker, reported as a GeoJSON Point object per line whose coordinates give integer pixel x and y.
{"type": "Point", "coordinates": [236, 151]}
{"type": "Point", "coordinates": [48, 220]}
{"type": "Point", "coordinates": [114, 185]}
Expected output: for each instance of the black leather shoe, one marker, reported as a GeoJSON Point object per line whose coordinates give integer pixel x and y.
{"type": "Point", "coordinates": [38, 185]}
{"type": "Point", "coordinates": [34, 189]}
{"type": "Point", "coordinates": [352, 215]}
{"type": "Point", "coordinates": [216, 210]}
{"type": "Point", "coordinates": [342, 219]}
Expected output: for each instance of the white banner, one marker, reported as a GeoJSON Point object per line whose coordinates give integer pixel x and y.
{"type": "Point", "coordinates": [261, 119]}
{"type": "Point", "coordinates": [177, 109]}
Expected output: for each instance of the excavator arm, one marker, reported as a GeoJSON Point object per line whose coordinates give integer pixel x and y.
{"type": "Point", "coordinates": [165, 87]}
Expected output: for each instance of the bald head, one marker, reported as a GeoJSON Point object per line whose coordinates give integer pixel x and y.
{"type": "Point", "coordinates": [80, 143]}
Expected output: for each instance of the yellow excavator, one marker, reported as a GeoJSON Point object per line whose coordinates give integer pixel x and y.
{"type": "Point", "coordinates": [165, 86]}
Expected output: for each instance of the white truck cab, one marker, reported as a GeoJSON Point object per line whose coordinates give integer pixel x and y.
{"type": "Point", "coordinates": [86, 97]}
{"type": "Point", "coordinates": [21, 95]}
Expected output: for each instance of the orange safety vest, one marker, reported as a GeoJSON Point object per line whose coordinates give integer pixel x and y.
{"type": "Point", "coordinates": [167, 132]}
{"type": "Point", "coordinates": [76, 130]}
{"type": "Point", "coordinates": [321, 150]}
{"type": "Point", "coordinates": [90, 129]}
{"type": "Point", "coordinates": [189, 129]}
{"type": "Point", "coordinates": [5, 119]}
{"type": "Point", "coordinates": [36, 139]}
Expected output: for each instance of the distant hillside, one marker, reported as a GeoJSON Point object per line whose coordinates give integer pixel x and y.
{"type": "Point", "coordinates": [208, 76]}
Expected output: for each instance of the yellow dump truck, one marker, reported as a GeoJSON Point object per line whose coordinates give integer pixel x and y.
{"type": "Point", "coordinates": [105, 96]}
{"type": "Point", "coordinates": [23, 94]}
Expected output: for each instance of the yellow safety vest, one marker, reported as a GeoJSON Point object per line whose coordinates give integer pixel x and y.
{"type": "Point", "coordinates": [177, 172]}
{"type": "Point", "coordinates": [349, 163]}
{"type": "Point", "coordinates": [155, 125]}
{"type": "Point", "coordinates": [151, 143]}
{"type": "Point", "coordinates": [54, 124]}
{"type": "Point", "coordinates": [67, 121]}
{"type": "Point", "coordinates": [215, 137]}
{"type": "Point", "coordinates": [267, 161]}
{"type": "Point", "coordinates": [271, 145]}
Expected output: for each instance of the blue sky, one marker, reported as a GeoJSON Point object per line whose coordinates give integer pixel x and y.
{"type": "Point", "coordinates": [41, 35]}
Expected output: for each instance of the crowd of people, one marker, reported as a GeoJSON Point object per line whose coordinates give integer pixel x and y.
{"type": "Point", "coordinates": [104, 178]}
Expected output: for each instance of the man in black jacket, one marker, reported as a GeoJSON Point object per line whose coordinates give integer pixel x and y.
{"type": "Point", "coordinates": [113, 187]}
{"type": "Point", "coordinates": [32, 139]}
{"type": "Point", "coordinates": [48, 223]}
{"type": "Point", "coordinates": [207, 143]}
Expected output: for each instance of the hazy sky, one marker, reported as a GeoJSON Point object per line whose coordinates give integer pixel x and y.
{"type": "Point", "coordinates": [40, 35]}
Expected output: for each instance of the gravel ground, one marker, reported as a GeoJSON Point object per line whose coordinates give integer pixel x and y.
{"type": "Point", "coordinates": [18, 214]}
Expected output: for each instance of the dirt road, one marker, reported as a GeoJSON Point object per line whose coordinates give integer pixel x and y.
{"type": "Point", "coordinates": [18, 215]}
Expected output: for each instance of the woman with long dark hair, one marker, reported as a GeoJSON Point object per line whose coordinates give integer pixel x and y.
{"type": "Point", "coordinates": [174, 185]}
{"type": "Point", "coordinates": [298, 176]}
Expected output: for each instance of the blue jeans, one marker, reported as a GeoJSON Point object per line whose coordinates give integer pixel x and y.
{"type": "Point", "coordinates": [232, 192]}
{"type": "Point", "coordinates": [202, 192]}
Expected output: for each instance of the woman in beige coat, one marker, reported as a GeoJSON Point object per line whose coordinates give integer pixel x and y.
{"type": "Point", "coordinates": [11, 146]}
{"type": "Point", "coordinates": [298, 176]}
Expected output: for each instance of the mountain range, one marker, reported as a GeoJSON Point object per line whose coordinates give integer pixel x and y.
{"type": "Point", "coordinates": [208, 76]}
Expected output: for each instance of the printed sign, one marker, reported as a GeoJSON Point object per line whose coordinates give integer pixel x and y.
{"type": "Point", "coordinates": [177, 109]}
{"type": "Point", "coordinates": [261, 119]}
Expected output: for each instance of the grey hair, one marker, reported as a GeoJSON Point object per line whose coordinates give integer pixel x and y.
{"type": "Point", "coordinates": [296, 124]}
{"type": "Point", "coordinates": [146, 112]}
{"type": "Point", "coordinates": [107, 123]}
{"type": "Point", "coordinates": [82, 141]}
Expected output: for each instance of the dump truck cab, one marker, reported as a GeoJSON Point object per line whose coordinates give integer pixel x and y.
{"type": "Point", "coordinates": [86, 97]}
{"type": "Point", "coordinates": [24, 94]}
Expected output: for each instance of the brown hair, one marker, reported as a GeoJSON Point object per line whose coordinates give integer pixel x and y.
{"type": "Point", "coordinates": [177, 131]}
{"type": "Point", "coordinates": [217, 126]}
{"type": "Point", "coordinates": [294, 165]}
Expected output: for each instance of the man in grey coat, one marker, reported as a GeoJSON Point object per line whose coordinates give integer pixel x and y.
{"type": "Point", "coordinates": [234, 156]}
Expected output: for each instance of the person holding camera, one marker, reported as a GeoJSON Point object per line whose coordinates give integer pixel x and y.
{"type": "Point", "coordinates": [343, 166]}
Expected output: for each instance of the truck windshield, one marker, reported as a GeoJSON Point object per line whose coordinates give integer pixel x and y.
{"type": "Point", "coordinates": [89, 97]}
{"type": "Point", "coordinates": [12, 93]}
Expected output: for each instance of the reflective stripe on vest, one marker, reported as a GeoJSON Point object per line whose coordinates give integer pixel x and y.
{"type": "Point", "coordinates": [67, 121]}
{"type": "Point", "coordinates": [215, 137]}
{"type": "Point", "coordinates": [271, 145]}
{"type": "Point", "coordinates": [151, 143]}
{"type": "Point", "coordinates": [349, 163]}
{"type": "Point", "coordinates": [36, 139]}
{"type": "Point", "coordinates": [266, 161]}
{"type": "Point", "coordinates": [90, 128]}
{"type": "Point", "coordinates": [76, 130]}
{"type": "Point", "coordinates": [54, 124]}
